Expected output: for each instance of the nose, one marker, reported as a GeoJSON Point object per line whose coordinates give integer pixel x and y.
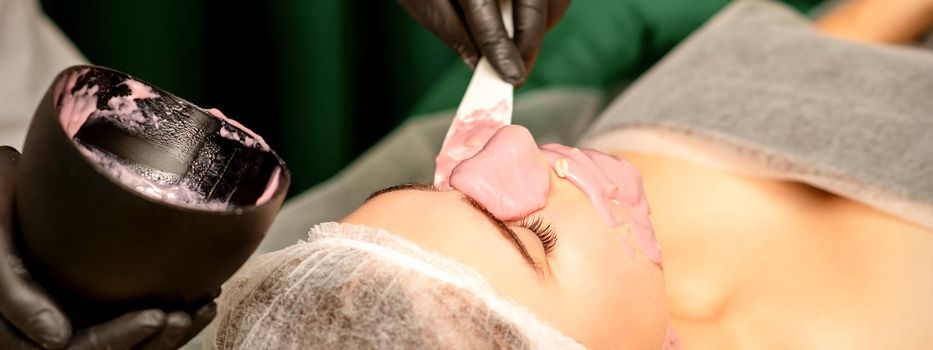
{"type": "Point", "coordinates": [508, 176]}
{"type": "Point", "coordinates": [464, 142]}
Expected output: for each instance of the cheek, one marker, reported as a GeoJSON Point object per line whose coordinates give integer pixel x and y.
{"type": "Point", "coordinates": [614, 298]}
{"type": "Point", "coordinates": [611, 294]}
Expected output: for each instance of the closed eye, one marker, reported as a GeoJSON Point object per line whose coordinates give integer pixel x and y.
{"type": "Point", "coordinates": [506, 231]}
{"type": "Point", "coordinates": [544, 232]}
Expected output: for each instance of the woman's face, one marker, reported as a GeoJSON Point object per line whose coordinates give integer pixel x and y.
{"type": "Point", "coordinates": [593, 283]}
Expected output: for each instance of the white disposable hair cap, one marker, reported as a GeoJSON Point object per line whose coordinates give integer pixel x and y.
{"type": "Point", "coordinates": [357, 287]}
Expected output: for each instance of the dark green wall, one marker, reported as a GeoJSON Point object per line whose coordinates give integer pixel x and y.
{"type": "Point", "coordinates": [323, 80]}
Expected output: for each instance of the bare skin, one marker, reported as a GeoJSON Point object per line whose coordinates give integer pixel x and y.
{"type": "Point", "coordinates": [596, 286]}
{"type": "Point", "coordinates": [792, 266]}
{"type": "Point", "coordinates": [749, 263]}
{"type": "Point", "coordinates": [879, 21]}
{"type": "Point", "coordinates": [763, 264]}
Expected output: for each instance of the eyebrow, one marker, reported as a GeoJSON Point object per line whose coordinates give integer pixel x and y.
{"type": "Point", "coordinates": [504, 229]}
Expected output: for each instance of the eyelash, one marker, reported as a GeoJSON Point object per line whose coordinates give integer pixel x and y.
{"type": "Point", "coordinates": [544, 232]}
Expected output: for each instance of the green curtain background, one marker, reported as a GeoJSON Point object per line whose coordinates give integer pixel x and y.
{"type": "Point", "coordinates": [323, 80]}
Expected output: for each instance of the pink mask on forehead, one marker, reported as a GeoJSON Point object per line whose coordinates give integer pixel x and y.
{"type": "Point", "coordinates": [509, 177]}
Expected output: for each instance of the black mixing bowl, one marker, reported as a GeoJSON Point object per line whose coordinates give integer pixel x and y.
{"type": "Point", "coordinates": [129, 197]}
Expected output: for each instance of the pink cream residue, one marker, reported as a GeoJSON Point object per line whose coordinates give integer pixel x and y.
{"type": "Point", "coordinates": [270, 187]}
{"type": "Point", "coordinates": [250, 139]}
{"type": "Point", "coordinates": [75, 108]}
{"type": "Point", "coordinates": [506, 176]}
{"type": "Point", "coordinates": [171, 193]}
{"type": "Point", "coordinates": [468, 134]}
{"type": "Point", "coordinates": [127, 104]}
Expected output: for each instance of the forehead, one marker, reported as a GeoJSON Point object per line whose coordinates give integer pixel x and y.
{"type": "Point", "coordinates": [424, 206]}
{"type": "Point", "coordinates": [440, 220]}
{"type": "Point", "coordinates": [444, 223]}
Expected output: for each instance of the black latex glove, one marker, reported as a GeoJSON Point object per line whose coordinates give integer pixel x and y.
{"type": "Point", "coordinates": [30, 320]}
{"type": "Point", "coordinates": [471, 27]}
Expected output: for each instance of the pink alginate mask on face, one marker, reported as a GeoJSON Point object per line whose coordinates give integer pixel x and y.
{"type": "Point", "coordinates": [466, 136]}
{"type": "Point", "coordinates": [505, 176]}
{"type": "Point", "coordinates": [509, 177]}
{"type": "Point", "coordinates": [614, 188]}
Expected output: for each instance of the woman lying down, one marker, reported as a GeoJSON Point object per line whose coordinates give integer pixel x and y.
{"type": "Point", "coordinates": [788, 176]}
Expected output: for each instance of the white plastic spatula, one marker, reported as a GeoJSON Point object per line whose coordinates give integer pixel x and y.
{"type": "Point", "coordinates": [486, 106]}
{"type": "Point", "coordinates": [487, 90]}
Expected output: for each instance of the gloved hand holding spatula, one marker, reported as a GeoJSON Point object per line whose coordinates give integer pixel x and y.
{"type": "Point", "coordinates": [474, 28]}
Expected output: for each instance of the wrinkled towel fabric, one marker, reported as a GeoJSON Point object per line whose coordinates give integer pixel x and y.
{"type": "Point", "coordinates": [759, 90]}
